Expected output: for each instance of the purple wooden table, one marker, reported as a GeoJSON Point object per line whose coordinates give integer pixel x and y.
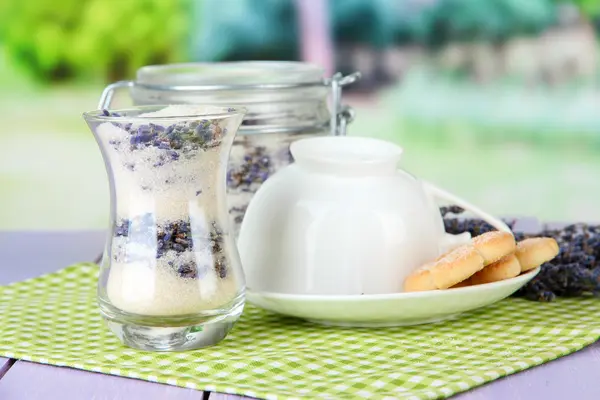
{"type": "Point", "coordinates": [27, 254]}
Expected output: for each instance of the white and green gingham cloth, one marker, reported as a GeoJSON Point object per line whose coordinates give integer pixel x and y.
{"type": "Point", "coordinates": [54, 319]}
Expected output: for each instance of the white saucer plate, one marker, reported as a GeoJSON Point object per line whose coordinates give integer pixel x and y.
{"type": "Point", "coordinates": [395, 309]}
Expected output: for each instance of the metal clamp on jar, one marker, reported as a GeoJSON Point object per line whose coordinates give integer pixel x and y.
{"type": "Point", "coordinates": [286, 101]}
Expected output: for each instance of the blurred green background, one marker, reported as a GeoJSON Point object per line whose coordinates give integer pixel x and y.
{"type": "Point", "coordinates": [494, 100]}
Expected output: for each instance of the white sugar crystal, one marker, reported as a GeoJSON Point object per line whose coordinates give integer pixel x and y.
{"type": "Point", "coordinates": [169, 190]}
{"type": "Point", "coordinates": [159, 290]}
{"type": "Point", "coordinates": [108, 131]}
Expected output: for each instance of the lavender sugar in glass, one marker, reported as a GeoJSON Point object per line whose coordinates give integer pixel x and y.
{"type": "Point", "coordinates": [170, 275]}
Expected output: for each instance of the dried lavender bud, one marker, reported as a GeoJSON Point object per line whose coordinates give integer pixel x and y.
{"type": "Point", "coordinates": [157, 128]}
{"type": "Point", "coordinates": [107, 113]}
{"type": "Point", "coordinates": [221, 267]}
{"type": "Point", "coordinates": [240, 211]}
{"type": "Point", "coordinates": [451, 209]}
{"type": "Point", "coordinates": [474, 226]}
{"type": "Point", "coordinates": [174, 139]}
{"type": "Point", "coordinates": [174, 236]}
{"type": "Point", "coordinates": [219, 257]}
{"type": "Point", "coordinates": [204, 132]}
{"type": "Point", "coordinates": [122, 229]}
{"type": "Point", "coordinates": [256, 168]}
{"type": "Point", "coordinates": [188, 270]}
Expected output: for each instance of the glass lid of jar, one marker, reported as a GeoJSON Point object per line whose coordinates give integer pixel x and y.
{"type": "Point", "coordinates": [225, 75]}
{"type": "Point", "coordinates": [270, 90]}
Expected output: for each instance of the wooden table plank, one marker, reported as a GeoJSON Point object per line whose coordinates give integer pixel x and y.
{"type": "Point", "coordinates": [528, 225]}
{"type": "Point", "coordinates": [555, 225]}
{"type": "Point", "coordinates": [33, 381]}
{"type": "Point", "coordinates": [573, 376]}
{"type": "Point", "coordinates": [30, 254]}
{"type": "Point", "coordinates": [5, 364]}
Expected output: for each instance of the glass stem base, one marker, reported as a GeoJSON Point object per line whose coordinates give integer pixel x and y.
{"type": "Point", "coordinates": [204, 332]}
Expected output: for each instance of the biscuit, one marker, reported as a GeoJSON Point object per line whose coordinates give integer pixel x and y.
{"type": "Point", "coordinates": [494, 245]}
{"type": "Point", "coordinates": [446, 271]}
{"type": "Point", "coordinates": [533, 252]}
{"type": "Point", "coordinates": [505, 268]}
{"type": "Point", "coordinates": [464, 283]}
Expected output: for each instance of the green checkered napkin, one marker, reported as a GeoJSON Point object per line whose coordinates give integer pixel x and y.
{"type": "Point", "coordinates": [53, 319]}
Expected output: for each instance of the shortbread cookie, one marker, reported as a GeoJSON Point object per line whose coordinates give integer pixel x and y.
{"type": "Point", "coordinates": [464, 283]}
{"type": "Point", "coordinates": [494, 245]}
{"type": "Point", "coordinates": [505, 268]}
{"type": "Point", "coordinates": [446, 271]}
{"type": "Point", "coordinates": [534, 252]}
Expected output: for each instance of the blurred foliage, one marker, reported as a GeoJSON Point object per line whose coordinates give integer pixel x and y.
{"type": "Point", "coordinates": [266, 29]}
{"type": "Point", "coordinates": [360, 21]}
{"type": "Point", "coordinates": [435, 23]}
{"type": "Point", "coordinates": [109, 39]}
{"type": "Point", "coordinates": [235, 30]}
{"type": "Point", "coordinates": [492, 20]}
{"type": "Point", "coordinates": [590, 8]}
{"type": "Point", "coordinates": [98, 39]}
{"type": "Point", "coordinates": [509, 111]}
